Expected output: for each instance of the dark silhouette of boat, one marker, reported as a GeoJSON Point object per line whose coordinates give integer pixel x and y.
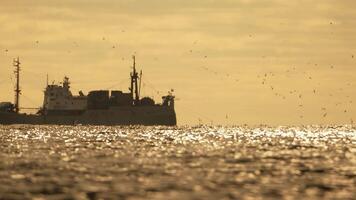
{"type": "Point", "coordinates": [100, 107]}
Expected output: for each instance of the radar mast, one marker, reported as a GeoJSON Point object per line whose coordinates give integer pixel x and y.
{"type": "Point", "coordinates": [134, 83]}
{"type": "Point", "coordinates": [17, 86]}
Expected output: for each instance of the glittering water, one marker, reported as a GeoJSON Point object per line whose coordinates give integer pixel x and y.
{"type": "Point", "coordinates": [93, 162]}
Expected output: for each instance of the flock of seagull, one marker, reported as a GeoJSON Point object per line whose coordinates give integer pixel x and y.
{"type": "Point", "coordinates": [266, 80]}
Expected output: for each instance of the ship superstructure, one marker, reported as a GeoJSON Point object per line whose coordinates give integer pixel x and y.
{"type": "Point", "coordinates": [58, 99]}
{"type": "Point", "coordinates": [99, 107]}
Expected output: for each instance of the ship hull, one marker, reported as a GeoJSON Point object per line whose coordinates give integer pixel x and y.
{"type": "Point", "coordinates": [145, 115]}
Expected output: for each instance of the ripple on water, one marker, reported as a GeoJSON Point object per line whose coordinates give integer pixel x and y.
{"type": "Point", "coordinates": [93, 162]}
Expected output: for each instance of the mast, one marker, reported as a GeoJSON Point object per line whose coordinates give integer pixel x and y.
{"type": "Point", "coordinates": [17, 86]}
{"type": "Point", "coordinates": [139, 89]}
{"type": "Point", "coordinates": [134, 83]}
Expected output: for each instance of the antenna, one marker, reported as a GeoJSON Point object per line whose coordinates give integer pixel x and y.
{"type": "Point", "coordinates": [17, 86]}
{"type": "Point", "coordinates": [134, 62]}
{"type": "Point", "coordinates": [134, 86]}
{"type": "Point", "coordinates": [139, 89]}
{"type": "Point", "coordinates": [47, 81]}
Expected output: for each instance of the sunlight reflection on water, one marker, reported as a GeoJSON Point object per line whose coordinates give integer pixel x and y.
{"type": "Point", "coordinates": [93, 162]}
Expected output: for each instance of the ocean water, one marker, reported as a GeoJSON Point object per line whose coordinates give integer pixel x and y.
{"type": "Point", "coordinates": [98, 162]}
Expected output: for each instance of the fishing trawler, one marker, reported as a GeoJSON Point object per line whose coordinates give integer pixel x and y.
{"type": "Point", "coordinates": [100, 107]}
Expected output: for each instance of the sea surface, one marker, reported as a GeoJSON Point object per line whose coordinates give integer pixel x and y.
{"type": "Point", "coordinates": [204, 162]}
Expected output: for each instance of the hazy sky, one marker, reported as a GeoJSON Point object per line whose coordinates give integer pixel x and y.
{"type": "Point", "coordinates": [229, 61]}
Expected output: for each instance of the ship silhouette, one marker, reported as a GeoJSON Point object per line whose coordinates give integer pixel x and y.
{"type": "Point", "coordinates": [99, 107]}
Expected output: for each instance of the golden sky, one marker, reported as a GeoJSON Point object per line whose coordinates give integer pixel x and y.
{"type": "Point", "coordinates": [271, 62]}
